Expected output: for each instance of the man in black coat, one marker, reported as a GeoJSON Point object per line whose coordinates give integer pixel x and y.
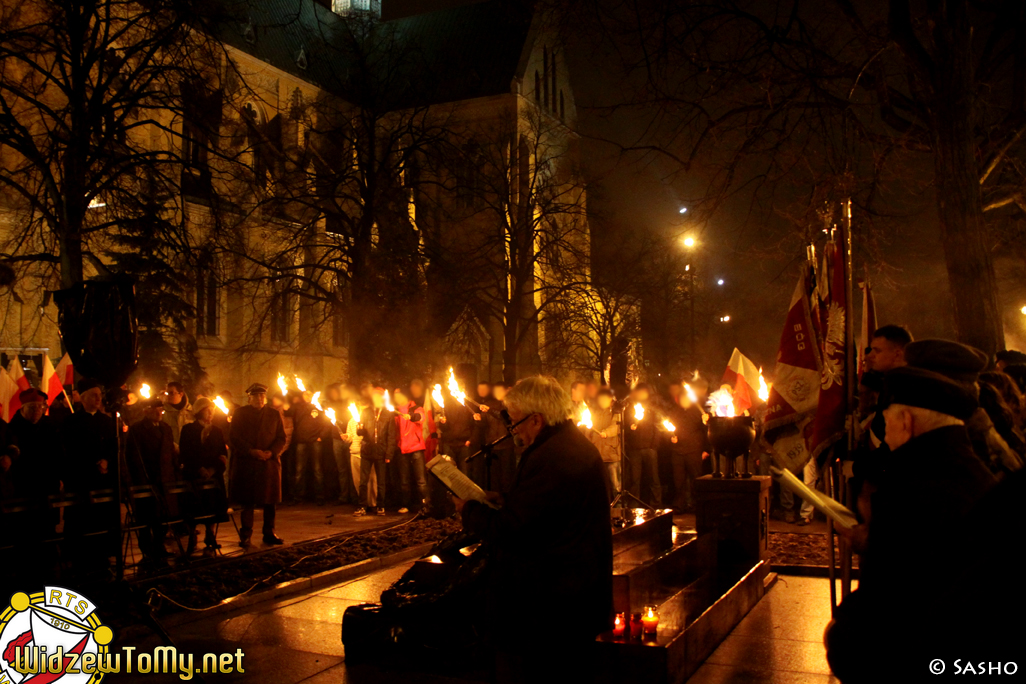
{"type": "Point", "coordinates": [380, 445]}
{"type": "Point", "coordinates": [551, 541]}
{"type": "Point", "coordinates": [919, 493]}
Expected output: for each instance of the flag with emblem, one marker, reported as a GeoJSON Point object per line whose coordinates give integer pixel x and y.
{"type": "Point", "coordinates": [831, 408]}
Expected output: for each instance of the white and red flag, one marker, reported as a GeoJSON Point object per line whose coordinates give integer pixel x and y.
{"type": "Point", "coordinates": [52, 384]}
{"type": "Point", "coordinates": [9, 391]}
{"type": "Point", "coordinates": [831, 411]}
{"type": "Point", "coordinates": [744, 376]}
{"type": "Point", "coordinates": [869, 324]}
{"type": "Point", "coordinates": [796, 380]}
{"type": "Point", "coordinates": [66, 370]}
{"type": "Point", "coordinates": [17, 374]}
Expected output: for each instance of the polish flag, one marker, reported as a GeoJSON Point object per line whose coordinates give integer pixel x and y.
{"type": "Point", "coordinates": [9, 391]}
{"type": "Point", "coordinates": [17, 374]}
{"type": "Point", "coordinates": [51, 382]}
{"type": "Point", "coordinates": [744, 375]}
{"type": "Point", "coordinates": [831, 409]}
{"type": "Point", "coordinates": [66, 370]}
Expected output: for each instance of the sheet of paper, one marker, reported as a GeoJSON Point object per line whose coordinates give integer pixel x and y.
{"type": "Point", "coordinates": [456, 482]}
{"type": "Point", "coordinates": [821, 502]}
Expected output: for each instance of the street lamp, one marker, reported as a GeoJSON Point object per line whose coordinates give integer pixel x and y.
{"type": "Point", "coordinates": [720, 281]}
{"type": "Point", "coordinates": [683, 210]}
{"type": "Point", "coordinates": [689, 242]}
{"type": "Point", "coordinates": [724, 319]}
{"type": "Point", "coordinates": [1023, 310]}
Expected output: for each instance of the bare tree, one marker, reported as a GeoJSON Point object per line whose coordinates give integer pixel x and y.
{"type": "Point", "coordinates": [90, 97]}
{"type": "Point", "coordinates": [756, 96]}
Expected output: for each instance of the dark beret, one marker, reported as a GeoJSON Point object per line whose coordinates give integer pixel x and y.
{"type": "Point", "coordinates": [32, 395]}
{"type": "Point", "coordinates": [86, 384]}
{"type": "Point", "coordinates": [925, 389]}
{"type": "Point", "coordinates": [1010, 356]}
{"type": "Point", "coordinates": [256, 388]}
{"type": "Point", "coordinates": [960, 362]}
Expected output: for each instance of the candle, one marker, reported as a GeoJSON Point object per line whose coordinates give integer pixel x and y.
{"type": "Point", "coordinates": [636, 626]}
{"type": "Point", "coordinates": [619, 625]}
{"type": "Point", "coordinates": [650, 621]}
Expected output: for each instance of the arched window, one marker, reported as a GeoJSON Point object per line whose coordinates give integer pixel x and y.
{"type": "Point", "coordinates": [537, 87]}
{"type": "Point", "coordinates": [257, 143]}
{"type": "Point", "coordinates": [545, 74]}
{"type": "Point", "coordinates": [208, 299]}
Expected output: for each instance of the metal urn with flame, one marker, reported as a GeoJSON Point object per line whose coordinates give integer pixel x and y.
{"type": "Point", "coordinates": [731, 435]}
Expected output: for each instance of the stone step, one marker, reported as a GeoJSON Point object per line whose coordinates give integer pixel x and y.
{"type": "Point", "coordinates": [650, 581]}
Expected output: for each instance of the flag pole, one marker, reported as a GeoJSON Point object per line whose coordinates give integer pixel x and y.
{"type": "Point", "coordinates": [852, 375]}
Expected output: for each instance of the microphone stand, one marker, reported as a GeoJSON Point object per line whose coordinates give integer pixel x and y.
{"type": "Point", "coordinates": [624, 494]}
{"type": "Point", "coordinates": [488, 451]}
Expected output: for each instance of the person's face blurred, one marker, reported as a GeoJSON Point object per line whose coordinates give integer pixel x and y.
{"type": "Point", "coordinates": [591, 390]}
{"type": "Point", "coordinates": [174, 396]}
{"type": "Point", "coordinates": [258, 400]}
{"type": "Point", "coordinates": [416, 389]}
{"type": "Point", "coordinates": [92, 400]}
{"type": "Point", "coordinates": [483, 388]}
{"type": "Point", "coordinates": [605, 401]}
{"type": "Point", "coordinates": [577, 392]}
{"type": "Point", "coordinates": [206, 415]}
{"type": "Point", "coordinates": [684, 400]}
{"type": "Point", "coordinates": [33, 411]}
{"type": "Point", "coordinates": [155, 413]}
{"type": "Point", "coordinates": [378, 400]}
{"type": "Point", "coordinates": [641, 395]}
{"type": "Point", "coordinates": [334, 394]}
{"type": "Point", "coordinates": [499, 392]}
{"type": "Point", "coordinates": [884, 355]}
{"type": "Point", "coordinates": [400, 398]}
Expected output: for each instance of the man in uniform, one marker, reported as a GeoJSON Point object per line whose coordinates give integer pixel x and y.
{"type": "Point", "coordinates": [923, 489]}
{"type": "Point", "coordinates": [152, 461]}
{"type": "Point", "coordinates": [257, 439]}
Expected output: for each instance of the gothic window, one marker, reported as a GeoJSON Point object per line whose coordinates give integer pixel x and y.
{"type": "Point", "coordinates": [282, 311]}
{"type": "Point", "coordinates": [208, 292]}
{"type": "Point", "coordinates": [545, 75]}
{"type": "Point", "coordinates": [537, 87]}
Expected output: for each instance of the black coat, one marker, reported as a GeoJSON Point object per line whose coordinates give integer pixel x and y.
{"type": "Point", "coordinates": [88, 439]}
{"type": "Point", "coordinates": [197, 452]}
{"type": "Point", "coordinates": [36, 472]}
{"type": "Point", "coordinates": [552, 540]}
{"type": "Point", "coordinates": [380, 434]}
{"type": "Point", "coordinates": [692, 434]}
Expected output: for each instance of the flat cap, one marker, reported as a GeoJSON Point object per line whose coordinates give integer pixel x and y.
{"type": "Point", "coordinates": [1010, 356]}
{"type": "Point", "coordinates": [256, 388]}
{"type": "Point", "coordinates": [32, 395]}
{"type": "Point", "coordinates": [86, 384]}
{"type": "Point", "coordinates": [960, 362]}
{"type": "Point", "coordinates": [928, 390]}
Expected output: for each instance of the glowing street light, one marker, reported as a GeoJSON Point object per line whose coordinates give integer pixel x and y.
{"type": "Point", "coordinates": [683, 210]}
{"type": "Point", "coordinates": [1023, 310]}
{"type": "Point", "coordinates": [720, 281]}
{"type": "Point", "coordinates": [724, 319]}
{"type": "Point", "coordinates": [689, 242]}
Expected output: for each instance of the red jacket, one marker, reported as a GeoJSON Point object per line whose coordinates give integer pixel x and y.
{"type": "Point", "coordinates": [411, 432]}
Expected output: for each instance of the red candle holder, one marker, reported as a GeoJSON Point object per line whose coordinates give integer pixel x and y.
{"type": "Point", "coordinates": [636, 626]}
{"type": "Point", "coordinates": [650, 622]}
{"type": "Point", "coordinates": [619, 625]}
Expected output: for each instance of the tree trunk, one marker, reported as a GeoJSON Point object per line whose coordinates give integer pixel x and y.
{"type": "Point", "coordinates": [509, 345]}
{"type": "Point", "coordinates": [969, 262]}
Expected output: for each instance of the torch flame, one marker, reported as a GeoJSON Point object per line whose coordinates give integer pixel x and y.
{"type": "Point", "coordinates": [670, 427]}
{"type": "Point", "coordinates": [354, 411]}
{"type": "Point", "coordinates": [639, 412]}
{"type": "Point", "coordinates": [388, 402]}
{"type": "Point", "coordinates": [585, 420]}
{"type": "Point", "coordinates": [690, 391]}
{"type": "Point", "coordinates": [145, 391]}
{"type": "Point", "coordinates": [764, 389]}
{"type": "Point", "coordinates": [454, 387]}
{"type": "Point", "coordinates": [436, 396]}
{"type": "Point", "coordinates": [282, 385]}
{"type": "Point", "coordinates": [316, 400]}
{"type": "Point", "coordinates": [330, 413]}
{"type": "Point", "coordinates": [721, 402]}
{"type": "Point", "coordinates": [219, 403]}
{"type": "Point", "coordinates": [299, 383]}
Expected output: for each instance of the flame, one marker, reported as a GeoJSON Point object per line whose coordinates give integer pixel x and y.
{"type": "Point", "coordinates": [330, 413]}
{"type": "Point", "coordinates": [650, 612]}
{"type": "Point", "coordinates": [690, 391]}
{"type": "Point", "coordinates": [434, 559]}
{"type": "Point", "coordinates": [639, 412]}
{"type": "Point", "coordinates": [299, 383]}
{"type": "Point", "coordinates": [219, 403]}
{"type": "Point", "coordinates": [673, 534]}
{"type": "Point", "coordinates": [764, 388]}
{"type": "Point", "coordinates": [354, 411]}
{"type": "Point", "coordinates": [388, 402]}
{"type": "Point", "coordinates": [721, 402]}
{"type": "Point", "coordinates": [145, 392]}
{"type": "Point", "coordinates": [639, 516]}
{"type": "Point", "coordinates": [585, 420]}
{"type": "Point", "coordinates": [454, 387]}
{"type": "Point", "coordinates": [316, 400]}
{"type": "Point", "coordinates": [670, 427]}
{"type": "Point", "coordinates": [282, 385]}
{"type": "Point", "coordinates": [436, 396]}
